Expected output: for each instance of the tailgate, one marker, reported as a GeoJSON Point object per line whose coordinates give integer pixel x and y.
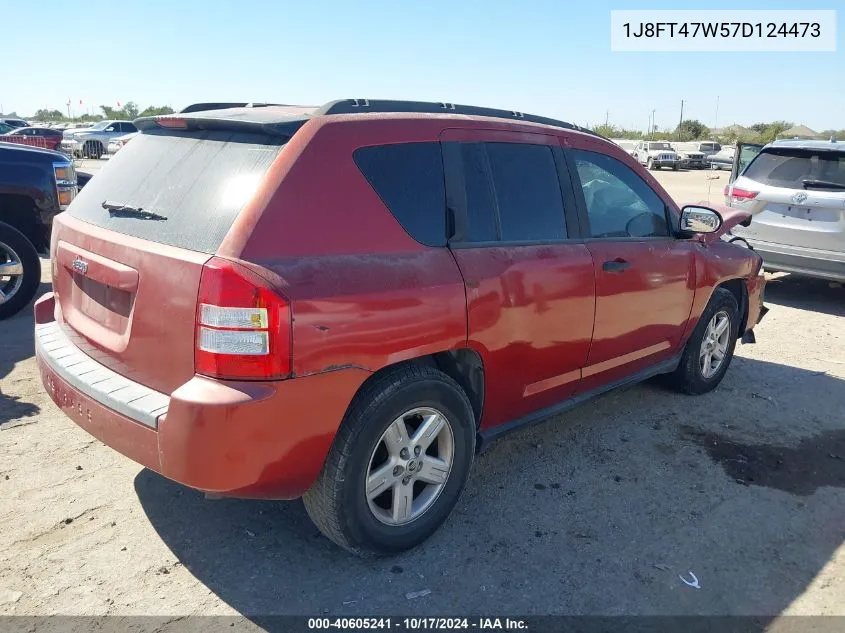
{"type": "Point", "coordinates": [128, 303]}
{"type": "Point", "coordinates": [128, 254]}
{"type": "Point", "coordinates": [812, 219]}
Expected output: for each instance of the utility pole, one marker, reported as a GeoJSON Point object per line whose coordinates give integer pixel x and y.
{"type": "Point", "coordinates": [716, 120]}
{"type": "Point", "coordinates": [606, 117]}
{"type": "Point", "coordinates": [653, 123]}
{"type": "Point", "coordinates": [682, 119]}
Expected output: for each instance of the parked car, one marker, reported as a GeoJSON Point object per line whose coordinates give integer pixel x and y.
{"type": "Point", "coordinates": [35, 136]}
{"type": "Point", "coordinates": [13, 122]}
{"type": "Point", "coordinates": [795, 192]}
{"type": "Point", "coordinates": [690, 156]}
{"type": "Point", "coordinates": [708, 148]}
{"type": "Point", "coordinates": [35, 185]}
{"type": "Point", "coordinates": [116, 144]}
{"type": "Point", "coordinates": [92, 142]}
{"type": "Point", "coordinates": [656, 154]}
{"type": "Point", "coordinates": [723, 159]}
{"type": "Point", "coordinates": [347, 305]}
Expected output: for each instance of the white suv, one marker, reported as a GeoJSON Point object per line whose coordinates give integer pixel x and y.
{"type": "Point", "coordinates": [795, 191]}
{"type": "Point", "coordinates": [656, 154]}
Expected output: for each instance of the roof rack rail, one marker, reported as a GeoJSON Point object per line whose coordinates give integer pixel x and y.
{"type": "Point", "coordinates": [357, 106]}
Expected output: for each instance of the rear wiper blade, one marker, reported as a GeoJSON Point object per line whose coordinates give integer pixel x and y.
{"type": "Point", "coordinates": [822, 184]}
{"type": "Point", "coordinates": [117, 210]}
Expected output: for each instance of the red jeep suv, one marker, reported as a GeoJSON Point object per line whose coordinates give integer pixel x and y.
{"type": "Point", "coordinates": [345, 305]}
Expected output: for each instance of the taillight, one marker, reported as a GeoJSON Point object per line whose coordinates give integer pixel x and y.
{"type": "Point", "coordinates": [740, 194]}
{"type": "Point", "coordinates": [242, 325]}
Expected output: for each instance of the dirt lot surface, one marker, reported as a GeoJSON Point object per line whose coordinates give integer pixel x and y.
{"type": "Point", "coordinates": [600, 511]}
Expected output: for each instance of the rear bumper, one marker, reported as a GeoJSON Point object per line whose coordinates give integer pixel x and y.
{"type": "Point", "coordinates": [245, 439]}
{"type": "Point", "coordinates": [800, 260]}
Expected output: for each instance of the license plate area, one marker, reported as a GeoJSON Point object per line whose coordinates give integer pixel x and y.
{"type": "Point", "coordinates": [66, 399]}
{"type": "Point", "coordinates": [804, 213]}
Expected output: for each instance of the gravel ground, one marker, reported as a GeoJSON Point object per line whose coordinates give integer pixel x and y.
{"type": "Point", "coordinates": [596, 512]}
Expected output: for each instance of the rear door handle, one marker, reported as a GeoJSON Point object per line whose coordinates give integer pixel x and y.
{"type": "Point", "coordinates": [616, 265]}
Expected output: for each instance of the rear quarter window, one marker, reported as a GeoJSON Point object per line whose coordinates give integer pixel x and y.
{"type": "Point", "coordinates": [790, 167]}
{"type": "Point", "coordinates": [408, 177]}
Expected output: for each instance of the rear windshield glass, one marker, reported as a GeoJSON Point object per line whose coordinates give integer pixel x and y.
{"type": "Point", "coordinates": [199, 182]}
{"type": "Point", "coordinates": [791, 167]}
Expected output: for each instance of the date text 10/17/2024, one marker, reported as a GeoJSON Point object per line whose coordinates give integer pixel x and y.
{"type": "Point", "coordinates": [417, 623]}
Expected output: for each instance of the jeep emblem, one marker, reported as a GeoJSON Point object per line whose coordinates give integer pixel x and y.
{"type": "Point", "coordinates": [80, 265]}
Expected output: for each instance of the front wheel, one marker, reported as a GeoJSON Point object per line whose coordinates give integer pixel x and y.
{"type": "Point", "coordinates": [398, 464]}
{"type": "Point", "coordinates": [20, 271]}
{"type": "Point", "coordinates": [92, 149]}
{"type": "Point", "coordinates": [650, 164]}
{"type": "Point", "coordinates": [710, 349]}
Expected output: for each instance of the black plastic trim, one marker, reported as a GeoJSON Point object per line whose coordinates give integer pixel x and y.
{"type": "Point", "coordinates": [486, 437]}
{"type": "Point", "coordinates": [358, 106]}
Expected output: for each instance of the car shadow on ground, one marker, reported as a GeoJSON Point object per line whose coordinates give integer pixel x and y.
{"type": "Point", "coordinates": [806, 293]}
{"type": "Point", "coordinates": [600, 511]}
{"type": "Point", "coordinates": [16, 338]}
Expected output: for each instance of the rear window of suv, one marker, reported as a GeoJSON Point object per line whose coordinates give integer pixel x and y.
{"type": "Point", "coordinates": [199, 181]}
{"type": "Point", "coordinates": [790, 167]}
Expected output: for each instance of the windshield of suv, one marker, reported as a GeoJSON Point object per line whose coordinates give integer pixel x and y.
{"type": "Point", "coordinates": [797, 168]}
{"type": "Point", "coordinates": [102, 125]}
{"type": "Point", "coordinates": [659, 146]}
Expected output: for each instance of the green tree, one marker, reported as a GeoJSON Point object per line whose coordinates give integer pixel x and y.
{"type": "Point", "coordinates": [691, 129]}
{"type": "Point", "coordinates": [48, 115]}
{"type": "Point", "coordinates": [110, 113]}
{"type": "Point", "coordinates": [130, 110]}
{"type": "Point", "coordinates": [156, 111]}
{"type": "Point", "coordinates": [773, 130]}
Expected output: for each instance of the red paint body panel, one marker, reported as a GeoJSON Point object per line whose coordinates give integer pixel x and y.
{"type": "Point", "coordinates": [546, 321]}
{"type": "Point", "coordinates": [530, 316]}
{"type": "Point", "coordinates": [245, 439]}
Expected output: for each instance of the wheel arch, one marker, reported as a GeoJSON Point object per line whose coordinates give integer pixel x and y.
{"type": "Point", "coordinates": [21, 212]}
{"type": "Point", "coordinates": [464, 365]}
{"type": "Point", "coordinates": [739, 289]}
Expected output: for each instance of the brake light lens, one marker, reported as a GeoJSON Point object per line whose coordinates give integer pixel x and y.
{"type": "Point", "coordinates": [243, 326]}
{"type": "Point", "coordinates": [172, 122]}
{"type": "Point", "coordinates": [740, 195]}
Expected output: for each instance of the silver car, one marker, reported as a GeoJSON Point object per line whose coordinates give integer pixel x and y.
{"type": "Point", "coordinates": [795, 191]}
{"type": "Point", "coordinates": [93, 141]}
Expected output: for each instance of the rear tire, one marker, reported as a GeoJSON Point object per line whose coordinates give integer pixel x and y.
{"type": "Point", "coordinates": [700, 369]}
{"type": "Point", "coordinates": [354, 501]}
{"type": "Point", "coordinates": [19, 258]}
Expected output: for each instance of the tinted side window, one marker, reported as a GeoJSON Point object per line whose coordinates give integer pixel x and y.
{"type": "Point", "coordinates": [128, 127]}
{"type": "Point", "coordinates": [527, 191]}
{"type": "Point", "coordinates": [481, 209]}
{"type": "Point", "coordinates": [619, 202]}
{"type": "Point", "coordinates": [408, 177]}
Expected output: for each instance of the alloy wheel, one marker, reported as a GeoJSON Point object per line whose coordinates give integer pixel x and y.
{"type": "Point", "coordinates": [11, 273]}
{"type": "Point", "coordinates": [410, 466]}
{"type": "Point", "coordinates": [714, 344]}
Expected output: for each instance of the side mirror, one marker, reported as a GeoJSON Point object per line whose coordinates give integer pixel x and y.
{"type": "Point", "coordinates": [697, 219]}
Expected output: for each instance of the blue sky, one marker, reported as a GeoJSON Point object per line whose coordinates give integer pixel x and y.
{"type": "Point", "coordinates": [545, 57]}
